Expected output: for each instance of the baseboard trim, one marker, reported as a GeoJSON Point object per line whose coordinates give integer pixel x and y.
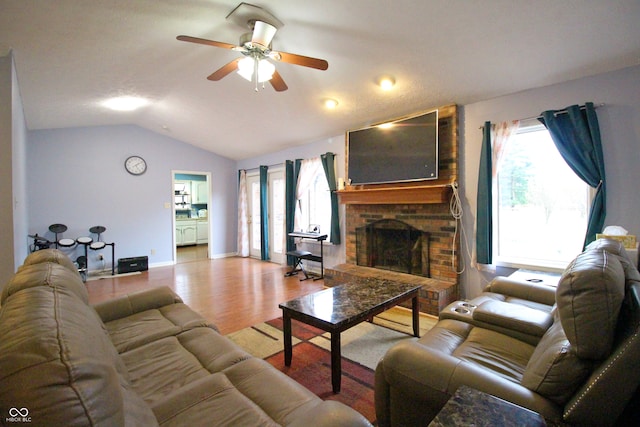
{"type": "Point", "coordinates": [227, 255]}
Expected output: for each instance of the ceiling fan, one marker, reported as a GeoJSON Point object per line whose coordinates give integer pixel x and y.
{"type": "Point", "coordinates": [255, 46]}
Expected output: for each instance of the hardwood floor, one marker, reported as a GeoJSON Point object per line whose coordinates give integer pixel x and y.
{"type": "Point", "coordinates": [191, 253]}
{"type": "Point", "coordinates": [233, 293]}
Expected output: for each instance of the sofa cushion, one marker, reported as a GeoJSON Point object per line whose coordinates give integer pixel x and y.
{"type": "Point", "coordinates": [589, 297]}
{"type": "Point", "coordinates": [45, 329]}
{"type": "Point", "coordinates": [141, 328]}
{"type": "Point", "coordinates": [214, 397]}
{"type": "Point", "coordinates": [501, 354]}
{"type": "Point", "coordinates": [238, 396]}
{"type": "Point", "coordinates": [165, 365]}
{"type": "Point", "coordinates": [46, 274]}
{"type": "Point", "coordinates": [554, 370]}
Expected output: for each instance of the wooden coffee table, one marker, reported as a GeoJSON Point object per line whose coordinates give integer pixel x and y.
{"type": "Point", "coordinates": [337, 309]}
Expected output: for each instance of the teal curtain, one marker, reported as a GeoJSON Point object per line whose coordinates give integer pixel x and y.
{"type": "Point", "coordinates": [264, 214]}
{"type": "Point", "coordinates": [576, 134]}
{"type": "Point", "coordinates": [484, 216]}
{"type": "Point", "coordinates": [290, 206]}
{"type": "Point", "coordinates": [328, 164]}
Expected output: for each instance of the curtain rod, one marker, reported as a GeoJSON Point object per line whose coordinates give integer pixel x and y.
{"type": "Point", "coordinates": [563, 111]}
{"type": "Point", "coordinates": [269, 166]}
{"type": "Point", "coordinates": [283, 162]}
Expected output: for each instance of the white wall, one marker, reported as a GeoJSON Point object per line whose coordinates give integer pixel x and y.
{"type": "Point", "coordinates": [19, 172]}
{"type": "Point", "coordinates": [333, 255]}
{"type": "Point", "coordinates": [6, 211]}
{"type": "Point", "coordinates": [77, 178]}
{"type": "Point", "coordinates": [619, 121]}
{"type": "Point", "coordinates": [12, 171]}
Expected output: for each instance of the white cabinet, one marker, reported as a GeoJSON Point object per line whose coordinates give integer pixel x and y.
{"type": "Point", "coordinates": [186, 233]}
{"type": "Point", "coordinates": [203, 231]}
{"type": "Point", "coordinates": [199, 192]}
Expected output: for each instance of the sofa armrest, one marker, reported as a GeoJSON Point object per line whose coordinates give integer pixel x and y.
{"type": "Point", "coordinates": [543, 294]}
{"type": "Point", "coordinates": [136, 302]}
{"type": "Point", "coordinates": [427, 377]}
{"type": "Point", "coordinates": [513, 317]}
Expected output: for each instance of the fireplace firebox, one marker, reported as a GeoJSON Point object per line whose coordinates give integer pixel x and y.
{"type": "Point", "coordinates": [390, 244]}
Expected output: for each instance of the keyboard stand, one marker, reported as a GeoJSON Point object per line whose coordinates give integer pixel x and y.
{"type": "Point", "coordinates": [301, 256]}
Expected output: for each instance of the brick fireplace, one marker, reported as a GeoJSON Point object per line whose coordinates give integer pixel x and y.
{"type": "Point", "coordinates": [421, 206]}
{"type": "Point", "coordinates": [441, 287]}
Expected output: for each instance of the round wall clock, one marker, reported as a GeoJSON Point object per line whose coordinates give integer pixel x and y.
{"type": "Point", "coordinates": [135, 165]}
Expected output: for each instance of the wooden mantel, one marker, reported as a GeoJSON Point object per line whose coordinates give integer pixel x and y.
{"type": "Point", "coordinates": [423, 194]}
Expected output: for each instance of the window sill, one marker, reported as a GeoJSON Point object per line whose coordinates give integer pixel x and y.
{"type": "Point", "coordinates": [550, 266]}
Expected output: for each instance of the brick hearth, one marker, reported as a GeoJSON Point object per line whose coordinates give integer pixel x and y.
{"type": "Point", "coordinates": [441, 287]}
{"type": "Point", "coordinates": [434, 296]}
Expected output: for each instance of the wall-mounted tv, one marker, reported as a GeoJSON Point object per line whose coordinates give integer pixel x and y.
{"type": "Point", "coordinates": [403, 150]}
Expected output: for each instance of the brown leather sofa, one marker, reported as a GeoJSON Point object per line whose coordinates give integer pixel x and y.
{"type": "Point", "coordinates": [145, 359]}
{"type": "Point", "coordinates": [583, 369]}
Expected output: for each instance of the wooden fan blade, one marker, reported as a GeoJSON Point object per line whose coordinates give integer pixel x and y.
{"type": "Point", "coordinates": [224, 70]}
{"type": "Point", "coordinates": [305, 61]}
{"type": "Point", "coordinates": [205, 42]}
{"type": "Point", "coordinates": [278, 84]}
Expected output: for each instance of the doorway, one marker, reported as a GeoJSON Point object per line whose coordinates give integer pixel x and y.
{"type": "Point", "coordinates": [191, 197]}
{"type": "Point", "coordinates": [276, 201]}
{"type": "Point", "coordinates": [276, 216]}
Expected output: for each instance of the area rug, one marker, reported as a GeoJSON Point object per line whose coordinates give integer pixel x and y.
{"type": "Point", "coordinates": [362, 347]}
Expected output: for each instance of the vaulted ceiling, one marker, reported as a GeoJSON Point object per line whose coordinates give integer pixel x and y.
{"type": "Point", "coordinates": [70, 55]}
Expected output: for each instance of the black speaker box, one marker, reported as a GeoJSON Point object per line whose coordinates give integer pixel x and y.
{"type": "Point", "coordinates": [129, 265]}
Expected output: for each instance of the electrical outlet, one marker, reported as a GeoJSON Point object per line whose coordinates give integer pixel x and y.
{"type": "Point", "coordinates": [153, 251]}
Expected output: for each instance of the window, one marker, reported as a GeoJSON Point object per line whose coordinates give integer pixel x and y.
{"type": "Point", "coordinates": [542, 206]}
{"type": "Point", "coordinates": [315, 205]}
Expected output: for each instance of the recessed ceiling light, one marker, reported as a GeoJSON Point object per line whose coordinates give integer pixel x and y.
{"type": "Point", "coordinates": [386, 82]}
{"type": "Point", "coordinates": [330, 103]}
{"type": "Point", "coordinates": [125, 103]}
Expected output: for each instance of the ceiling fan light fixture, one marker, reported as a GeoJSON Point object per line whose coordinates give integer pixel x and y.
{"type": "Point", "coordinates": [265, 70]}
{"type": "Point", "coordinates": [247, 67]}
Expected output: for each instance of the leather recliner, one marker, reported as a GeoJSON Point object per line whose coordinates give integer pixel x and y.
{"type": "Point", "coordinates": [582, 370]}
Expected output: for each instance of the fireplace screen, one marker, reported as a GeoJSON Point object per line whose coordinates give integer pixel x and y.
{"type": "Point", "coordinates": [394, 245]}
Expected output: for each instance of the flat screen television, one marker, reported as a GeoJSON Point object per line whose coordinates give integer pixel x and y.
{"type": "Point", "coordinates": [403, 150]}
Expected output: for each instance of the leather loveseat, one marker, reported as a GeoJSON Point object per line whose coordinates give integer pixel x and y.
{"type": "Point", "coordinates": [576, 361]}
{"type": "Point", "coordinates": [141, 360]}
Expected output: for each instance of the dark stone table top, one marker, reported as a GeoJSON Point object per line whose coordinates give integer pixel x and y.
{"type": "Point", "coordinates": [341, 305]}
{"type": "Point", "coordinates": [470, 407]}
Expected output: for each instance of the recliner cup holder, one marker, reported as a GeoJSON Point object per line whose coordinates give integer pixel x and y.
{"type": "Point", "coordinates": [461, 310]}
{"type": "Point", "coordinates": [467, 304]}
